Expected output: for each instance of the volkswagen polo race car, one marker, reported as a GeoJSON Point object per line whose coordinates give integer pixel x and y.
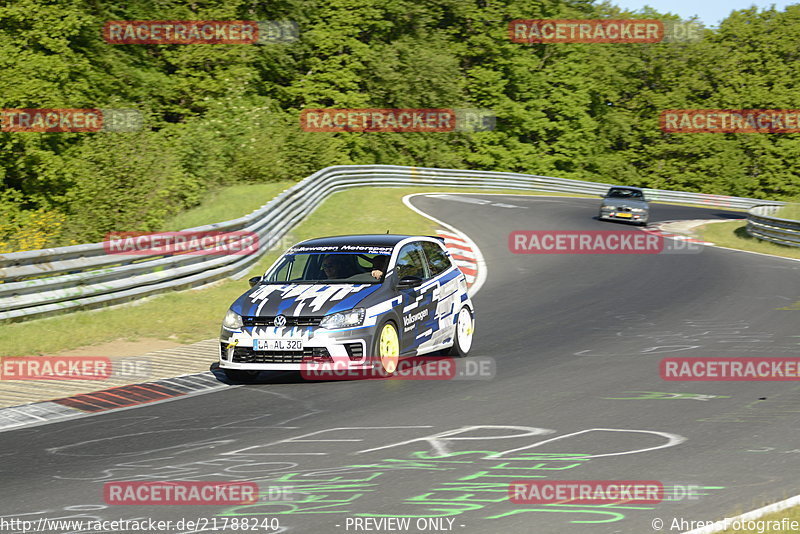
{"type": "Point", "coordinates": [361, 301]}
{"type": "Point", "coordinates": [626, 204]}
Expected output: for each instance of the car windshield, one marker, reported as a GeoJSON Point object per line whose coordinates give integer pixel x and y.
{"type": "Point", "coordinates": [320, 268]}
{"type": "Point", "coordinates": [625, 193]}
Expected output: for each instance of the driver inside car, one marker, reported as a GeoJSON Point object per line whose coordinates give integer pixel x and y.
{"type": "Point", "coordinates": [334, 266]}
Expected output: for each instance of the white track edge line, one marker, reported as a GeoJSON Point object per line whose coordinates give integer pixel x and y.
{"type": "Point", "coordinates": [479, 261]}
{"type": "Point", "coordinates": [747, 516]}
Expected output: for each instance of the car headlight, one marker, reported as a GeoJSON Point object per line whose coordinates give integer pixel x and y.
{"type": "Point", "coordinates": [606, 207]}
{"type": "Point", "coordinates": [345, 319]}
{"type": "Point", "coordinates": [232, 320]}
{"type": "Point", "coordinates": [638, 210]}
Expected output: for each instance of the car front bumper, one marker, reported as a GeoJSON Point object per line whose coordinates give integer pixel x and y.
{"type": "Point", "coordinates": [625, 216]}
{"type": "Point", "coordinates": [347, 348]}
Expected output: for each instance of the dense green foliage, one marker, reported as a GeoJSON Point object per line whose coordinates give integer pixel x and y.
{"type": "Point", "coordinates": [224, 114]}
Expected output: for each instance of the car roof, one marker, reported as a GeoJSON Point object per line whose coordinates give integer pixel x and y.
{"type": "Point", "coordinates": [370, 240]}
{"type": "Point", "coordinates": [632, 188]}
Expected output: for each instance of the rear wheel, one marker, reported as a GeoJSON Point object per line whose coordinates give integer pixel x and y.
{"type": "Point", "coordinates": [387, 348]}
{"type": "Point", "coordinates": [462, 342]}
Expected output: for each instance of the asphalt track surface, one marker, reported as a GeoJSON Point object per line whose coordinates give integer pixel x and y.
{"type": "Point", "coordinates": [576, 340]}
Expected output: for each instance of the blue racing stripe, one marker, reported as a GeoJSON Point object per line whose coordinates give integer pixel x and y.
{"type": "Point", "coordinates": [350, 301]}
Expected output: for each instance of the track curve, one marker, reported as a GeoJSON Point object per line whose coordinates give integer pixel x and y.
{"type": "Point", "coordinates": [577, 396]}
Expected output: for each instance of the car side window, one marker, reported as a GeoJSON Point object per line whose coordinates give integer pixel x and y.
{"type": "Point", "coordinates": [410, 262]}
{"type": "Point", "coordinates": [438, 262]}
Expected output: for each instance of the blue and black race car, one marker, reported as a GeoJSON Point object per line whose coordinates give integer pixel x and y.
{"type": "Point", "coordinates": [362, 301]}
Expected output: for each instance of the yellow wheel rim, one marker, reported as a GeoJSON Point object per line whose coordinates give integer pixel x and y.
{"type": "Point", "coordinates": [389, 348]}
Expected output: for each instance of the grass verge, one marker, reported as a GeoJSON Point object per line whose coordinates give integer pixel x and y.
{"type": "Point", "coordinates": [189, 316]}
{"type": "Point", "coordinates": [771, 523]}
{"type": "Point", "coordinates": [734, 235]}
{"type": "Point", "coordinates": [226, 204]}
{"type": "Point", "coordinates": [789, 211]}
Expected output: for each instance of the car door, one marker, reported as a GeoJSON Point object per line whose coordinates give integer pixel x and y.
{"type": "Point", "coordinates": [415, 309]}
{"type": "Point", "coordinates": [446, 292]}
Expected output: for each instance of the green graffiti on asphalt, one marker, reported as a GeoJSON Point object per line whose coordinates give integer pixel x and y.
{"type": "Point", "coordinates": [321, 493]}
{"type": "Point", "coordinates": [339, 490]}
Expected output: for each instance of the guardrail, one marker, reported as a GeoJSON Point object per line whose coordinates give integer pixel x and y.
{"type": "Point", "coordinates": [760, 224]}
{"type": "Point", "coordinates": [38, 283]}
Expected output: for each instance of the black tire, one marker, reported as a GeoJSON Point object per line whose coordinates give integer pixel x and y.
{"type": "Point", "coordinates": [461, 347]}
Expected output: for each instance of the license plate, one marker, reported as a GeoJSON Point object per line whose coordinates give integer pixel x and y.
{"type": "Point", "coordinates": [277, 344]}
{"type": "Point", "coordinates": [624, 215]}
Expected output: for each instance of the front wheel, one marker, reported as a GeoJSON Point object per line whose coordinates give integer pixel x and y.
{"type": "Point", "coordinates": [387, 348]}
{"type": "Point", "coordinates": [465, 326]}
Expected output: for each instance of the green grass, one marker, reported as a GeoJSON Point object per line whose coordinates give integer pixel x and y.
{"type": "Point", "coordinates": [698, 205]}
{"type": "Point", "coordinates": [792, 514]}
{"type": "Point", "coordinates": [226, 204]}
{"type": "Point", "coordinates": [189, 316]}
{"type": "Point", "coordinates": [239, 200]}
{"type": "Point", "coordinates": [789, 211]}
{"type": "Point", "coordinates": [734, 235]}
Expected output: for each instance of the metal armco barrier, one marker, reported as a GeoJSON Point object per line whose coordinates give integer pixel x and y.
{"type": "Point", "coordinates": [760, 224]}
{"type": "Point", "coordinates": [38, 283]}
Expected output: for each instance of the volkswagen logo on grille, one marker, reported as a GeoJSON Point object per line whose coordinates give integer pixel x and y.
{"type": "Point", "coordinates": [280, 320]}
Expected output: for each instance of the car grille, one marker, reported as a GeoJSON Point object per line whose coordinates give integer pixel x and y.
{"type": "Point", "coordinates": [302, 320]}
{"type": "Point", "coordinates": [355, 350]}
{"type": "Point", "coordinates": [623, 208]}
{"type": "Point", "coordinates": [248, 355]}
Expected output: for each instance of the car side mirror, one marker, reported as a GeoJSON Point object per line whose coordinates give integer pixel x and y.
{"type": "Point", "coordinates": [408, 282]}
{"type": "Point", "coordinates": [254, 281]}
